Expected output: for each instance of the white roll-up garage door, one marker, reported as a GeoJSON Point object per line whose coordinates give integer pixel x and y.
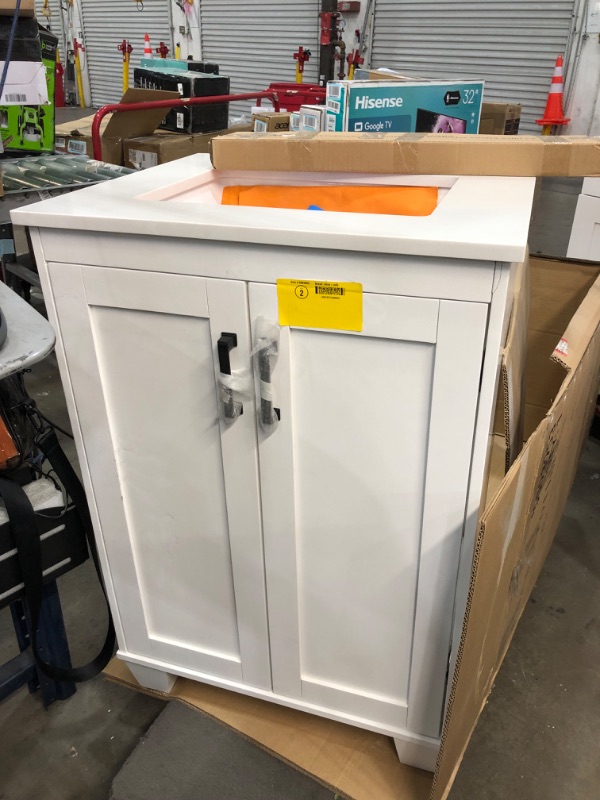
{"type": "Point", "coordinates": [511, 45]}
{"type": "Point", "coordinates": [105, 24]}
{"type": "Point", "coordinates": [254, 42]}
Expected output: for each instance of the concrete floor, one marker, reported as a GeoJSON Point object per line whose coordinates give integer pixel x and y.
{"type": "Point", "coordinates": [537, 738]}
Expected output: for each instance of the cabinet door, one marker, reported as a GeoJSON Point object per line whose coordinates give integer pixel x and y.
{"type": "Point", "coordinates": [176, 490]}
{"type": "Point", "coordinates": [364, 484]}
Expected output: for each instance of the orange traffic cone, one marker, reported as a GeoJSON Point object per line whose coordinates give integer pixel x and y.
{"type": "Point", "coordinates": [554, 114]}
{"type": "Point", "coordinates": [147, 47]}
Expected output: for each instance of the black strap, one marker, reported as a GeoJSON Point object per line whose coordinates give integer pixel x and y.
{"type": "Point", "coordinates": [26, 535]}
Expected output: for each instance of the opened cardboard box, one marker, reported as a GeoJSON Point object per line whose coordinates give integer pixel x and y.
{"type": "Point", "coordinates": [410, 153]}
{"type": "Point", "coordinates": [160, 147]}
{"type": "Point", "coordinates": [516, 529]}
{"type": "Point", "coordinates": [76, 138]}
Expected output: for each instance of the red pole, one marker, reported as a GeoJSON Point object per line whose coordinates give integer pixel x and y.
{"type": "Point", "coordinates": [191, 101]}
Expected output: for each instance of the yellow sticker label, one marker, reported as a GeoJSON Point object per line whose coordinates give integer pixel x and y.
{"type": "Point", "coordinates": [320, 304]}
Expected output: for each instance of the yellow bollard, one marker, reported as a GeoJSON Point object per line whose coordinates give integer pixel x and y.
{"type": "Point", "coordinates": [76, 48]}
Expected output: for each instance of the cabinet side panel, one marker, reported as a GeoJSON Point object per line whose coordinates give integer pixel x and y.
{"type": "Point", "coordinates": [458, 360]}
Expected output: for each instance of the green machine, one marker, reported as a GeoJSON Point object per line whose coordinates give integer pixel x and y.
{"type": "Point", "coordinates": [31, 128]}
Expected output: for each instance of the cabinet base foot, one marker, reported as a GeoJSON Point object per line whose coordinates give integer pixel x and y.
{"type": "Point", "coordinates": [154, 679]}
{"type": "Point", "coordinates": [422, 755]}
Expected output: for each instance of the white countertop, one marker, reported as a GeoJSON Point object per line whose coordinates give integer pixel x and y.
{"type": "Point", "coordinates": [476, 218]}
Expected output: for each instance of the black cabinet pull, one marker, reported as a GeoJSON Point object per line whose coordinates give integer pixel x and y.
{"type": "Point", "coordinates": [231, 408]}
{"type": "Point", "coordinates": [227, 342]}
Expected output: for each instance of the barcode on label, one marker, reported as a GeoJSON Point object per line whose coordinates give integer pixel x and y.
{"type": "Point", "coordinates": [330, 122]}
{"type": "Point", "coordinates": [334, 106]}
{"type": "Point", "coordinates": [338, 291]}
{"type": "Point", "coordinates": [334, 90]}
{"type": "Point", "coordinates": [15, 98]}
{"type": "Point", "coordinates": [59, 143]}
{"type": "Point", "coordinates": [311, 121]}
{"type": "Point", "coordinates": [179, 120]}
{"type": "Point", "coordinates": [44, 194]}
{"type": "Point", "coordinates": [260, 126]}
{"type": "Point", "coordinates": [77, 147]}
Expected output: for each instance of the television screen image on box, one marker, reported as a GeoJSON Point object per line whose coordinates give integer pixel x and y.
{"type": "Point", "coordinates": [432, 122]}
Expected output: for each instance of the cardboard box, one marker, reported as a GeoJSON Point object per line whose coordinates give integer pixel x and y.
{"type": "Point", "coordinates": [515, 532]}
{"type": "Point", "coordinates": [500, 119]}
{"type": "Point", "coordinates": [271, 121]}
{"type": "Point", "coordinates": [188, 119]}
{"type": "Point", "coordinates": [161, 147]}
{"type": "Point", "coordinates": [410, 154]}
{"type": "Point", "coordinates": [312, 118]}
{"type": "Point", "coordinates": [25, 84]}
{"type": "Point", "coordinates": [26, 9]}
{"type": "Point", "coordinates": [76, 137]}
{"type": "Point", "coordinates": [404, 105]}
{"type": "Point", "coordinates": [31, 127]}
{"type": "Point", "coordinates": [509, 416]}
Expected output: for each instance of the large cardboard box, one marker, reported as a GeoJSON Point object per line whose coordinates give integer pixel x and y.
{"type": "Point", "coordinates": [515, 531]}
{"type": "Point", "coordinates": [31, 127]}
{"type": "Point", "coordinates": [76, 138]}
{"type": "Point", "coordinates": [404, 105]}
{"type": "Point", "coordinates": [500, 119]}
{"type": "Point", "coordinates": [161, 147]}
{"type": "Point", "coordinates": [410, 153]}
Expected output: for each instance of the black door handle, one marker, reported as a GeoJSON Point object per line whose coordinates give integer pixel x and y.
{"type": "Point", "coordinates": [231, 408]}
{"type": "Point", "coordinates": [227, 342]}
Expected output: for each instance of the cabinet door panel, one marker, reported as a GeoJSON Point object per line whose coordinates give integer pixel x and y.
{"type": "Point", "coordinates": [344, 482]}
{"type": "Point", "coordinates": [141, 352]}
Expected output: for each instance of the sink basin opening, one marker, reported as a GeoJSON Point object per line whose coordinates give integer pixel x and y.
{"type": "Point", "coordinates": [208, 189]}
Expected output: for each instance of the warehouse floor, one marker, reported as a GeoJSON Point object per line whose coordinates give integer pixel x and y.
{"type": "Point", "coordinates": [537, 738]}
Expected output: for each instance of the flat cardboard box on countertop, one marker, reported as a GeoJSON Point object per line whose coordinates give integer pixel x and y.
{"type": "Point", "coordinates": [76, 137]}
{"type": "Point", "coordinates": [410, 153]}
{"type": "Point", "coordinates": [515, 531]}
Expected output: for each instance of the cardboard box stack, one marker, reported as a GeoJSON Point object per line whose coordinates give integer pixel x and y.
{"type": "Point", "coordinates": [160, 147]}
{"type": "Point", "coordinates": [76, 137]}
